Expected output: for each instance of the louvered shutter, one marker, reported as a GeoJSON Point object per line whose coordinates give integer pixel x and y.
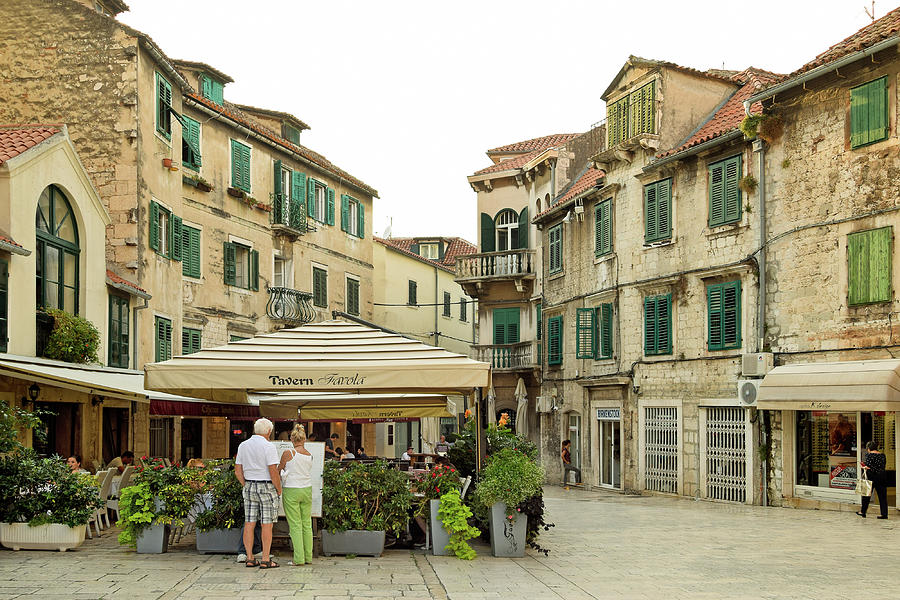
{"type": "Point", "coordinates": [522, 242]}
{"type": "Point", "coordinates": [278, 195]}
{"type": "Point", "coordinates": [611, 132]}
{"type": "Point", "coordinates": [154, 226]}
{"type": "Point", "coordinates": [361, 220]}
{"type": "Point", "coordinates": [254, 270]}
{"type": "Point", "coordinates": [412, 293]}
{"type": "Point", "coordinates": [175, 243]}
{"type": "Point", "coordinates": [714, 314]}
{"type": "Point", "coordinates": [650, 325]}
{"type": "Point", "coordinates": [230, 263]}
{"type": "Point", "coordinates": [585, 331]}
{"type": "Point", "coordinates": [732, 189]}
{"type": "Point", "coordinates": [880, 289]}
{"type": "Point", "coordinates": [217, 92]}
{"type": "Point", "coordinates": [345, 213]}
{"type": "Point", "coordinates": [330, 207]}
{"type": "Point", "coordinates": [651, 226]}
{"type": "Point", "coordinates": [311, 199]}
{"type": "Point", "coordinates": [664, 324]}
{"type": "Point", "coordinates": [731, 314]}
{"type": "Point", "coordinates": [240, 166]}
{"type": "Point", "coordinates": [488, 241]}
{"type": "Point", "coordinates": [554, 340]}
{"type": "Point", "coordinates": [512, 325]}
{"type": "Point", "coordinates": [163, 104]}
{"type": "Point", "coordinates": [603, 227]}
{"type": "Point", "coordinates": [297, 205]}
{"type": "Point", "coordinates": [206, 87]}
{"type": "Point", "coordinates": [605, 327]}
{"type": "Point", "coordinates": [664, 209]}
{"type": "Point", "coordinates": [555, 239]}
{"type": "Point", "coordinates": [635, 112]}
{"type": "Point", "coordinates": [499, 320]}
{"type": "Point", "coordinates": [716, 194]}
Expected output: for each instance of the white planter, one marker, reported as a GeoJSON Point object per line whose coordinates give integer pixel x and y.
{"type": "Point", "coordinates": [53, 536]}
{"type": "Point", "coordinates": [507, 535]}
{"type": "Point", "coordinates": [153, 539]}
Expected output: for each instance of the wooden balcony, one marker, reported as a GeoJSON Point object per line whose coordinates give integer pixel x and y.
{"type": "Point", "coordinates": [517, 266]}
{"type": "Point", "coordinates": [509, 357]}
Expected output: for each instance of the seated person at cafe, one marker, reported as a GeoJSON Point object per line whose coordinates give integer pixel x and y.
{"type": "Point", "coordinates": [120, 462]}
{"type": "Point", "coordinates": [442, 445]}
{"type": "Point", "coordinates": [74, 463]}
{"type": "Point", "coordinates": [330, 451]}
{"type": "Point", "coordinates": [361, 453]}
{"type": "Point", "coordinates": [347, 455]}
{"type": "Point", "coordinates": [406, 455]}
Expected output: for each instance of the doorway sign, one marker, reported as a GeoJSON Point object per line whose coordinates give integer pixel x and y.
{"type": "Point", "coordinates": [609, 414]}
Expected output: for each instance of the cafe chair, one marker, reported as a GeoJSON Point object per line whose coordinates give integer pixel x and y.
{"type": "Point", "coordinates": [113, 502]}
{"type": "Point", "coordinates": [465, 487]}
{"type": "Point", "coordinates": [105, 485]}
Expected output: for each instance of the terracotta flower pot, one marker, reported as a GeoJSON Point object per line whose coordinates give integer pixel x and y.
{"type": "Point", "coordinates": [167, 163]}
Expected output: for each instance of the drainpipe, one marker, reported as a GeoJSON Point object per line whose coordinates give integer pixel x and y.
{"type": "Point", "coordinates": [437, 335]}
{"type": "Point", "coordinates": [134, 332]}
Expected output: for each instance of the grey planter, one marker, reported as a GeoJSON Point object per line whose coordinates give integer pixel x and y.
{"type": "Point", "coordinates": [439, 536]}
{"type": "Point", "coordinates": [219, 541]}
{"type": "Point", "coordinates": [507, 535]}
{"type": "Point", "coordinates": [153, 539]}
{"type": "Point", "coordinates": [361, 543]}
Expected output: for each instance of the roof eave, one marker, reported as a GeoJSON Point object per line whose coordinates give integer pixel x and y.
{"type": "Point", "coordinates": [725, 137]}
{"type": "Point", "coordinates": [495, 175]}
{"type": "Point", "coordinates": [14, 248]}
{"type": "Point", "coordinates": [560, 207]}
{"type": "Point", "coordinates": [131, 291]}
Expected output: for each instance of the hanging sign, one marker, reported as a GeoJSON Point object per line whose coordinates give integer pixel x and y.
{"type": "Point", "coordinates": [609, 414]}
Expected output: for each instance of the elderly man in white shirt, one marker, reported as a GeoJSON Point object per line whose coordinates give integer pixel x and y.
{"type": "Point", "coordinates": [256, 467]}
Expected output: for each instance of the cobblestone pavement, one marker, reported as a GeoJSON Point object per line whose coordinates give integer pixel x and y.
{"type": "Point", "coordinates": [603, 546]}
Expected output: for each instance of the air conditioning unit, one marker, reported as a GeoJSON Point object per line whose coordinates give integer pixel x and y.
{"type": "Point", "coordinates": [748, 391]}
{"type": "Point", "coordinates": [542, 404]}
{"type": "Point", "coordinates": [757, 364]}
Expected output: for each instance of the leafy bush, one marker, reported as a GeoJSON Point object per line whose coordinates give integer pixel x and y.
{"type": "Point", "coordinates": [437, 482]}
{"type": "Point", "coordinates": [227, 501]}
{"type": "Point", "coordinates": [750, 124]}
{"type": "Point", "coordinates": [137, 511]}
{"type": "Point", "coordinates": [38, 491]}
{"type": "Point", "coordinates": [454, 516]}
{"type": "Point", "coordinates": [74, 339]}
{"type": "Point", "coordinates": [371, 497]}
{"type": "Point", "coordinates": [509, 477]}
{"type": "Point", "coordinates": [533, 508]}
{"type": "Point", "coordinates": [13, 420]}
{"type": "Point", "coordinates": [499, 438]}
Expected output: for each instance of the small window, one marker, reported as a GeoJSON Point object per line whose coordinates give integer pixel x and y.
{"type": "Point", "coordinates": [555, 260]}
{"type": "Point", "coordinates": [163, 339]}
{"type": "Point", "coordinates": [430, 251]}
{"type": "Point", "coordinates": [603, 227]}
{"type": "Point", "coordinates": [869, 121]}
{"type": "Point", "coordinates": [352, 216]}
{"type": "Point", "coordinates": [190, 144]}
{"type": "Point", "coordinates": [412, 293]}
{"type": "Point", "coordinates": [658, 324]}
{"type": "Point", "coordinates": [241, 266]}
{"type": "Point", "coordinates": [212, 89]}
{"type": "Point", "coordinates": [237, 338]}
{"type": "Point", "coordinates": [724, 192]}
{"type": "Point", "coordinates": [190, 340]}
{"type": "Point", "coordinates": [446, 304]}
{"type": "Point", "coordinates": [869, 266]}
{"type": "Point", "coordinates": [163, 107]}
{"type": "Point", "coordinates": [291, 134]}
{"type": "Point", "coordinates": [118, 332]}
{"type": "Point", "coordinates": [240, 166]}
{"type": "Point", "coordinates": [320, 287]}
{"type": "Point", "coordinates": [190, 251]}
{"type": "Point", "coordinates": [280, 276]}
{"type": "Point", "coordinates": [462, 309]}
{"type": "Point", "coordinates": [723, 306]}
{"type": "Point", "coordinates": [353, 296]}
{"type": "Point", "coordinates": [658, 211]}
{"type": "Point", "coordinates": [165, 232]}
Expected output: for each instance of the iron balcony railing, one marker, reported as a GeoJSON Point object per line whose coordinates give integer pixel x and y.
{"type": "Point", "coordinates": [288, 213]}
{"type": "Point", "coordinates": [522, 355]}
{"type": "Point", "coordinates": [291, 306]}
{"type": "Point", "coordinates": [506, 263]}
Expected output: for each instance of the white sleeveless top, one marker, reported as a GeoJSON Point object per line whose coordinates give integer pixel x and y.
{"type": "Point", "coordinates": [297, 471]}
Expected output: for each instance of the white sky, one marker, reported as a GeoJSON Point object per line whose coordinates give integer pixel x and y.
{"type": "Point", "coordinates": [407, 95]}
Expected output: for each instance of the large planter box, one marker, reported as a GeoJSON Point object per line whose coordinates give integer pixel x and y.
{"type": "Point", "coordinates": [53, 536]}
{"type": "Point", "coordinates": [221, 541]}
{"type": "Point", "coordinates": [361, 543]}
{"type": "Point", "coordinates": [507, 535]}
{"type": "Point", "coordinates": [439, 536]}
{"type": "Point", "coordinates": [153, 540]}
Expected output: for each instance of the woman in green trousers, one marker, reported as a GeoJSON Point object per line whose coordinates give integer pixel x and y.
{"type": "Point", "coordinates": [296, 481]}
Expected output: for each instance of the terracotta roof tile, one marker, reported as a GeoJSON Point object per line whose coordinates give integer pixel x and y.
{"type": "Point", "coordinates": [116, 279]}
{"type": "Point", "coordinates": [540, 143]}
{"type": "Point", "coordinates": [455, 247]}
{"type": "Point", "coordinates": [729, 116]}
{"type": "Point", "coordinates": [16, 139]}
{"type": "Point", "coordinates": [510, 163]}
{"type": "Point", "coordinates": [235, 114]}
{"type": "Point", "coordinates": [589, 178]}
{"type": "Point", "coordinates": [8, 240]}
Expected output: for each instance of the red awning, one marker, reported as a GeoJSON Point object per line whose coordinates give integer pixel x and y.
{"type": "Point", "coordinates": [176, 408]}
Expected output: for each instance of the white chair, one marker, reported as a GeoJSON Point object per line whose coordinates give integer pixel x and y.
{"type": "Point", "coordinates": [167, 462]}
{"type": "Point", "coordinates": [124, 481]}
{"type": "Point", "coordinates": [105, 485]}
{"type": "Point", "coordinates": [95, 516]}
{"type": "Point", "coordinates": [465, 487]}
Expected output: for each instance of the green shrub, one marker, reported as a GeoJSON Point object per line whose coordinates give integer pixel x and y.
{"type": "Point", "coordinates": [750, 124]}
{"type": "Point", "coordinates": [369, 497]}
{"type": "Point", "coordinates": [509, 477]}
{"type": "Point", "coordinates": [74, 339]}
{"type": "Point", "coordinates": [227, 509]}
{"type": "Point", "coordinates": [454, 516]}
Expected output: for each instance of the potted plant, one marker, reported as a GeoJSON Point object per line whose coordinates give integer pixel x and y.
{"type": "Point", "coordinates": [220, 523]}
{"type": "Point", "coordinates": [454, 517]}
{"type": "Point", "coordinates": [441, 480]}
{"type": "Point", "coordinates": [196, 180]}
{"type": "Point", "coordinates": [360, 503]}
{"type": "Point", "coordinates": [236, 193]}
{"type": "Point", "coordinates": [509, 478]}
{"type": "Point", "coordinates": [43, 504]}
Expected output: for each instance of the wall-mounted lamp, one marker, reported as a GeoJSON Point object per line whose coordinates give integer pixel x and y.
{"type": "Point", "coordinates": [33, 392]}
{"type": "Point", "coordinates": [96, 400]}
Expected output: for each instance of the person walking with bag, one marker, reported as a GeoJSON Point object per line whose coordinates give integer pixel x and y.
{"type": "Point", "coordinates": [296, 481]}
{"type": "Point", "coordinates": [874, 467]}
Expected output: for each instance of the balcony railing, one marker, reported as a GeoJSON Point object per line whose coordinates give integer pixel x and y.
{"type": "Point", "coordinates": [508, 356]}
{"type": "Point", "coordinates": [291, 306]}
{"type": "Point", "coordinates": [286, 213]}
{"type": "Point", "coordinates": [507, 263]}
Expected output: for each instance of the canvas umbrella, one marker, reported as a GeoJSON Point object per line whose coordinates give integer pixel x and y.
{"type": "Point", "coordinates": [491, 406]}
{"type": "Point", "coordinates": [430, 430]}
{"type": "Point", "coordinates": [521, 408]}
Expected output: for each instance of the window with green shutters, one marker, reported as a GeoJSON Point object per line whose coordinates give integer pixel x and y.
{"type": "Point", "coordinates": [869, 266]}
{"type": "Point", "coordinates": [290, 133]}
{"type": "Point", "coordinates": [240, 166]}
{"type": "Point", "coordinates": [539, 330]}
{"type": "Point", "coordinates": [462, 309]}
{"type": "Point", "coordinates": [506, 325]}
{"type": "Point", "coordinates": [320, 287]}
{"type": "Point", "coordinates": [446, 304]}
{"type": "Point", "coordinates": [4, 306]}
{"type": "Point", "coordinates": [352, 216]}
{"type": "Point", "coordinates": [555, 258]}
{"type": "Point", "coordinates": [190, 251]}
{"type": "Point", "coordinates": [658, 324]}
{"type": "Point", "coordinates": [724, 193]}
{"type": "Point", "coordinates": [212, 89]}
{"type": "Point", "coordinates": [353, 296]}
{"type": "Point", "coordinates": [603, 227]}
{"type": "Point", "coordinates": [163, 339]}
{"type": "Point", "coordinates": [617, 122]}
{"type": "Point", "coordinates": [869, 113]}
{"type": "Point", "coordinates": [190, 143]}
{"type": "Point", "coordinates": [320, 201]}
{"type": "Point", "coordinates": [554, 340]}
{"type": "Point", "coordinates": [166, 236]}
{"type": "Point", "coordinates": [658, 211]}
{"type": "Point", "coordinates": [412, 293]}
{"type": "Point", "coordinates": [631, 115]}
{"type": "Point", "coordinates": [241, 266]}
{"type": "Point", "coordinates": [163, 106]}
{"type": "Point", "coordinates": [118, 332]}
{"type": "Point", "coordinates": [723, 305]}
{"type": "Point", "coordinates": [585, 331]}
{"type": "Point", "coordinates": [190, 340]}
{"type": "Point", "coordinates": [604, 331]}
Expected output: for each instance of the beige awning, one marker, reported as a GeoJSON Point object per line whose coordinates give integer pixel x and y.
{"type": "Point", "coordinates": [866, 385]}
{"type": "Point", "coordinates": [319, 405]}
{"type": "Point", "coordinates": [333, 356]}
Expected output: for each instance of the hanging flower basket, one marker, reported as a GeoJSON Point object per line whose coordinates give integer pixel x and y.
{"type": "Point", "coordinates": [236, 192]}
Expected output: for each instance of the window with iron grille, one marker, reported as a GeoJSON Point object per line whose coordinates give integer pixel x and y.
{"type": "Point", "coordinates": [661, 449]}
{"type": "Point", "coordinates": [725, 454]}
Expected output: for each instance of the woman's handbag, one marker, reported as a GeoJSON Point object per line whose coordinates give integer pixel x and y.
{"type": "Point", "coordinates": [863, 485]}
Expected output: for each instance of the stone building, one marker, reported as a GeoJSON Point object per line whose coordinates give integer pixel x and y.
{"type": "Point", "coordinates": [216, 208]}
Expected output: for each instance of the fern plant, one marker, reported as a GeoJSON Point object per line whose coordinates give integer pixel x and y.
{"type": "Point", "coordinates": [454, 516]}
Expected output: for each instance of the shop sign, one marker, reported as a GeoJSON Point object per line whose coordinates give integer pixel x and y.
{"type": "Point", "coordinates": [609, 414]}
{"type": "Point", "coordinates": [327, 380]}
{"type": "Point", "coordinates": [384, 420]}
{"type": "Point", "coordinates": [174, 408]}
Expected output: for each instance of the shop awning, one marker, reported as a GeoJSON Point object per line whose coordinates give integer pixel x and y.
{"type": "Point", "coordinates": [201, 408]}
{"type": "Point", "coordinates": [101, 381]}
{"type": "Point", "coordinates": [378, 407]}
{"type": "Point", "coordinates": [331, 356]}
{"type": "Point", "coordinates": [866, 385]}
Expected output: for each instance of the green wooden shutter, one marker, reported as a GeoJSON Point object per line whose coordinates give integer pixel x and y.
{"type": "Point", "coordinates": [869, 266]}
{"type": "Point", "coordinates": [330, 205]}
{"type": "Point", "coordinates": [604, 325]}
{"type": "Point", "coordinates": [217, 92]}
{"type": "Point", "coordinates": [240, 166]}
{"type": "Point", "coordinates": [278, 194]}
{"type": "Point", "coordinates": [190, 148]}
{"type": "Point", "coordinates": [163, 104]}
{"type": "Point", "coordinates": [175, 243]}
{"type": "Point", "coordinates": [154, 226]}
{"type": "Point", "coordinates": [869, 112]}
{"type": "Point", "coordinates": [230, 264]}
{"type": "Point", "coordinates": [163, 339]}
{"type": "Point", "coordinates": [412, 293]}
{"type": "Point", "coordinates": [4, 306]}
{"type": "Point", "coordinates": [603, 228]}
{"type": "Point", "coordinates": [311, 199]}
{"type": "Point", "coordinates": [664, 209]}
{"type": "Point", "coordinates": [612, 125]}
{"type": "Point", "coordinates": [554, 340]}
{"type": "Point", "coordinates": [206, 87]}
{"type": "Point", "coordinates": [731, 314]}
{"type": "Point", "coordinates": [488, 239]}
{"type": "Point", "coordinates": [651, 227]}
{"type": "Point", "coordinates": [506, 325]}
{"type": "Point", "coordinates": [254, 270]}
{"type": "Point", "coordinates": [361, 220]}
{"type": "Point", "coordinates": [714, 316]}
{"type": "Point", "coordinates": [585, 330]}
{"type": "Point", "coordinates": [523, 229]}
{"type": "Point", "coordinates": [664, 324]}
{"type": "Point", "coordinates": [190, 340]}
{"type": "Point", "coordinates": [352, 296]}
{"type": "Point", "coordinates": [298, 204]}
{"type": "Point", "coordinates": [716, 175]}
{"type": "Point", "coordinates": [732, 167]}
{"type": "Point", "coordinates": [190, 244]}
{"type": "Point", "coordinates": [555, 239]}
{"type": "Point", "coordinates": [345, 213]}
{"type": "Point", "coordinates": [540, 330]}
{"type": "Point", "coordinates": [650, 325]}
{"type": "Point", "coordinates": [320, 288]}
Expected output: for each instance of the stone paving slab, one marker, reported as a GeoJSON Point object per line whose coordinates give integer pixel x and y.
{"type": "Point", "coordinates": [604, 545]}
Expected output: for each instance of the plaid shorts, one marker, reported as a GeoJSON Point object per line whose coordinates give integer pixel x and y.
{"type": "Point", "coordinates": [260, 502]}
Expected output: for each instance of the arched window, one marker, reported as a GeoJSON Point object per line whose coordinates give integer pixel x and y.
{"type": "Point", "coordinates": [57, 252]}
{"type": "Point", "coordinates": [507, 224]}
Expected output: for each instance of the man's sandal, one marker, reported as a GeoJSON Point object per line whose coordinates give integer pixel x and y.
{"type": "Point", "coordinates": [268, 564]}
{"type": "Point", "coordinates": [251, 562]}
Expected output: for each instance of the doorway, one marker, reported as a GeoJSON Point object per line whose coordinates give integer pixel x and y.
{"type": "Point", "coordinates": [354, 437]}
{"type": "Point", "coordinates": [115, 433]}
{"type": "Point", "coordinates": [575, 438]}
{"type": "Point", "coordinates": [191, 439]}
{"type": "Point", "coordinates": [58, 420]}
{"type": "Point", "coordinates": [611, 453]}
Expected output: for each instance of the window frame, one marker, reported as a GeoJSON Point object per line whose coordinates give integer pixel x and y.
{"type": "Point", "coordinates": [240, 180]}
{"type": "Point", "coordinates": [191, 251]}
{"type": "Point", "coordinates": [505, 317]}
{"type": "Point", "coordinates": [463, 305]}
{"type": "Point", "coordinates": [194, 340]}
{"type": "Point", "coordinates": [45, 240]}
{"type": "Point", "coordinates": [653, 349]}
{"type": "Point", "coordinates": [554, 266]}
{"type": "Point", "coordinates": [555, 336]}
{"type": "Point", "coordinates": [604, 319]}
{"type": "Point", "coordinates": [413, 294]}
{"type": "Point", "coordinates": [118, 312]}
{"type": "Point", "coordinates": [446, 312]}
{"type": "Point", "coordinates": [585, 333]}
{"type": "Point", "coordinates": [188, 138]}
{"type": "Point", "coordinates": [231, 260]}
{"type": "Point", "coordinates": [654, 234]}
{"type": "Point", "coordinates": [716, 310]}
